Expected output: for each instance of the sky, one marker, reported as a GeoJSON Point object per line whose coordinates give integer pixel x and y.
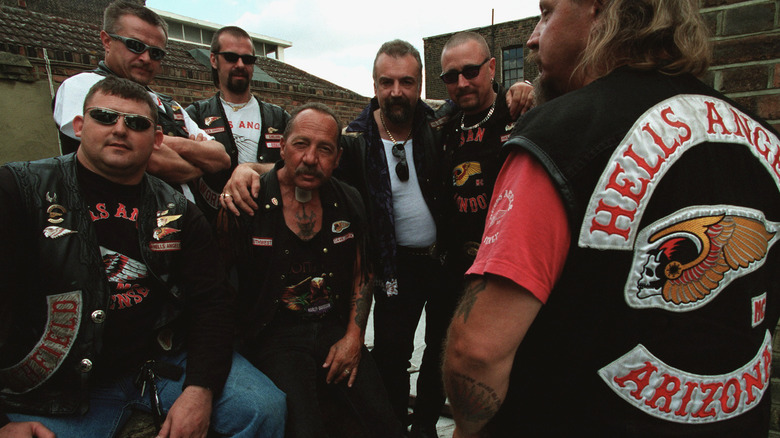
{"type": "Point", "coordinates": [337, 40]}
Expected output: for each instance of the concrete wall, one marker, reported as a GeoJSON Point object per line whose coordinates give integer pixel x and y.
{"type": "Point", "coordinates": [27, 131]}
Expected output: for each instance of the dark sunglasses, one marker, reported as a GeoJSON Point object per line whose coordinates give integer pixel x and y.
{"type": "Point", "coordinates": [233, 57]}
{"type": "Point", "coordinates": [138, 47]}
{"type": "Point", "coordinates": [402, 168]}
{"type": "Point", "coordinates": [468, 72]}
{"type": "Point", "coordinates": [106, 116]}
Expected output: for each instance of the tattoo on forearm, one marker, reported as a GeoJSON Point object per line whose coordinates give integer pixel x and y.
{"type": "Point", "coordinates": [469, 298]}
{"type": "Point", "coordinates": [306, 223]}
{"type": "Point", "coordinates": [474, 402]}
{"type": "Point", "coordinates": [362, 305]}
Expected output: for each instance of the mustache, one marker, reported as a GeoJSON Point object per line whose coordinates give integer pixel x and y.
{"type": "Point", "coordinates": [533, 57]}
{"type": "Point", "coordinates": [304, 169]}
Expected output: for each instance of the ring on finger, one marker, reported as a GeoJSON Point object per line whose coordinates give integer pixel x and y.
{"type": "Point", "coordinates": [347, 372]}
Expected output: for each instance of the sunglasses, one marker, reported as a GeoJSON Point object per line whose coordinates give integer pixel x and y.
{"type": "Point", "coordinates": [402, 168]}
{"type": "Point", "coordinates": [233, 57]}
{"type": "Point", "coordinates": [106, 116]}
{"type": "Point", "coordinates": [138, 47]}
{"type": "Point", "coordinates": [468, 72]}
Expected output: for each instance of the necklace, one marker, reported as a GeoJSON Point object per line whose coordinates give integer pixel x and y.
{"type": "Point", "coordinates": [382, 118]}
{"type": "Point", "coordinates": [490, 113]}
{"type": "Point", "coordinates": [235, 107]}
{"type": "Point", "coordinates": [302, 196]}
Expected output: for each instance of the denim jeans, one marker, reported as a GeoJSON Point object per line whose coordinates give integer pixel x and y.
{"type": "Point", "coordinates": [421, 283]}
{"type": "Point", "coordinates": [250, 405]}
{"type": "Point", "coordinates": [291, 351]}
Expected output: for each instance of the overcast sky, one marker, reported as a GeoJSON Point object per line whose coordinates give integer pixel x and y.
{"type": "Point", "coordinates": [337, 40]}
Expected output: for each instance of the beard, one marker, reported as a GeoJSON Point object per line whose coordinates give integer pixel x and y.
{"type": "Point", "coordinates": [544, 90]}
{"type": "Point", "coordinates": [238, 81]}
{"type": "Point", "coordinates": [397, 109]}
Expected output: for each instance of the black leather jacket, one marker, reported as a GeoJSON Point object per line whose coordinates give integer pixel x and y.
{"type": "Point", "coordinates": [46, 369]}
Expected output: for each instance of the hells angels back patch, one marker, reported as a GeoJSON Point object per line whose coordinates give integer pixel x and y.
{"type": "Point", "coordinates": [653, 144]}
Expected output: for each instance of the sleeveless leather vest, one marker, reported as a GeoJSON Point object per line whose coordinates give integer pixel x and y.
{"type": "Point", "coordinates": [210, 116]}
{"type": "Point", "coordinates": [67, 296]}
{"type": "Point", "coordinates": [661, 322]}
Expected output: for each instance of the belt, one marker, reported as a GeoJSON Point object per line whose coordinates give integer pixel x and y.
{"type": "Point", "coordinates": [427, 251]}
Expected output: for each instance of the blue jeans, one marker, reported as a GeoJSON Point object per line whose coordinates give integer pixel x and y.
{"type": "Point", "coordinates": [250, 405]}
{"type": "Point", "coordinates": [291, 352]}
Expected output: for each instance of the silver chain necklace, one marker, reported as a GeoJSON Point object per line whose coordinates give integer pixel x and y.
{"type": "Point", "coordinates": [490, 113]}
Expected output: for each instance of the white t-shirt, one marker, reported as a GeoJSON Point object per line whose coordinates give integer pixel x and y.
{"type": "Point", "coordinates": [414, 225]}
{"type": "Point", "coordinates": [69, 103]}
{"type": "Point", "coordinates": [246, 125]}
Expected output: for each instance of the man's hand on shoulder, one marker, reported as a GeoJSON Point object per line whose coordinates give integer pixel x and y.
{"type": "Point", "coordinates": [520, 98]}
{"type": "Point", "coordinates": [190, 414]}
{"type": "Point", "coordinates": [27, 429]}
{"type": "Point", "coordinates": [243, 187]}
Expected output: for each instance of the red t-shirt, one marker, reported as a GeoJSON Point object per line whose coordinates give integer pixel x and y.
{"type": "Point", "coordinates": [526, 236]}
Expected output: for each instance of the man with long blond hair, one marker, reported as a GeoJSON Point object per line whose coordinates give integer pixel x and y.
{"type": "Point", "coordinates": [626, 280]}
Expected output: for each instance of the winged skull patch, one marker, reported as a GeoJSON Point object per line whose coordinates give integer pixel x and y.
{"type": "Point", "coordinates": [682, 262]}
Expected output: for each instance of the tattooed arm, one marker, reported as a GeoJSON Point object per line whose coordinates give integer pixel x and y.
{"type": "Point", "coordinates": [344, 356]}
{"type": "Point", "coordinates": [489, 324]}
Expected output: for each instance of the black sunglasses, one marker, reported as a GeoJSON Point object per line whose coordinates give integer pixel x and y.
{"type": "Point", "coordinates": [233, 57]}
{"type": "Point", "coordinates": [138, 47]}
{"type": "Point", "coordinates": [402, 168]}
{"type": "Point", "coordinates": [468, 72]}
{"type": "Point", "coordinates": [106, 116]}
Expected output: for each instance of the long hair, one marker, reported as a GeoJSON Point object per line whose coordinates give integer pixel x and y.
{"type": "Point", "coordinates": [665, 35]}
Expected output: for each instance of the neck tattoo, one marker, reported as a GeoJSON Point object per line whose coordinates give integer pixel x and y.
{"type": "Point", "coordinates": [382, 118]}
{"type": "Point", "coordinates": [490, 113]}
{"type": "Point", "coordinates": [301, 195]}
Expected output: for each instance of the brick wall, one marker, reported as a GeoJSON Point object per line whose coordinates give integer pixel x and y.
{"type": "Point", "coordinates": [746, 53]}
{"type": "Point", "coordinates": [498, 37]}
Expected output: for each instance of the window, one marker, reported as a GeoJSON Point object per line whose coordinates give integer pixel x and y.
{"type": "Point", "coordinates": [512, 65]}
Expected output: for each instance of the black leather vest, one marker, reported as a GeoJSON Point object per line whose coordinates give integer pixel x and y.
{"type": "Point", "coordinates": [210, 116]}
{"type": "Point", "coordinates": [263, 262]}
{"type": "Point", "coordinates": [661, 322]}
{"type": "Point", "coordinates": [68, 291]}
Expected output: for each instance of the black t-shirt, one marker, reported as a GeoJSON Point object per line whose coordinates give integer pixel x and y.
{"type": "Point", "coordinates": [135, 293]}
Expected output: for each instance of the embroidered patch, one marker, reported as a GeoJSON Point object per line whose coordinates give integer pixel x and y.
{"type": "Point", "coordinates": [339, 226]}
{"type": "Point", "coordinates": [262, 241]}
{"type": "Point", "coordinates": [683, 261]}
{"type": "Point", "coordinates": [343, 238]}
{"type": "Point", "coordinates": [170, 245]}
{"type": "Point", "coordinates": [210, 196]}
{"type": "Point", "coordinates": [161, 232]}
{"type": "Point", "coordinates": [670, 394]}
{"type": "Point", "coordinates": [209, 120]}
{"type": "Point", "coordinates": [758, 309]}
{"type": "Point", "coordinates": [53, 232]}
{"type": "Point", "coordinates": [216, 130]}
{"type": "Point", "coordinates": [273, 145]}
{"type": "Point", "coordinates": [64, 318]}
{"type": "Point", "coordinates": [653, 144]}
{"type": "Point", "coordinates": [163, 220]}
